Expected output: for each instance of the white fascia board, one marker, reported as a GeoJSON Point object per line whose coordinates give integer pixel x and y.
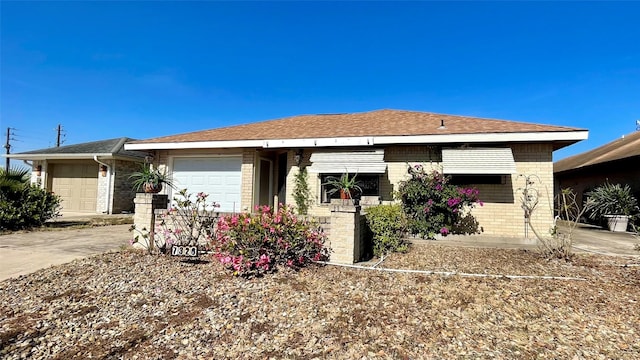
{"type": "Point", "coordinates": [195, 145]}
{"type": "Point", "coordinates": [367, 141]}
{"type": "Point", "coordinates": [483, 138]}
{"type": "Point", "coordinates": [57, 156]}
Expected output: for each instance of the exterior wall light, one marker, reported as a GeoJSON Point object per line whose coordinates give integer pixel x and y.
{"type": "Point", "coordinates": [103, 170]}
{"type": "Point", "coordinates": [39, 170]}
{"type": "Point", "coordinates": [297, 157]}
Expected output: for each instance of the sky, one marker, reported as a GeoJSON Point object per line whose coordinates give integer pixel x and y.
{"type": "Point", "coordinates": [145, 69]}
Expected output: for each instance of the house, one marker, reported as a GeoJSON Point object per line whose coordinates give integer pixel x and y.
{"type": "Point", "coordinates": [242, 166]}
{"type": "Point", "coordinates": [616, 162]}
{"type": "Point", "coordinates": [90, 177]}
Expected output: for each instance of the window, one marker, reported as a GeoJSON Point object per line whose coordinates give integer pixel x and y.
{"type": "Point", "coordinates": [370, 184]}
{"type": "Point", "coordinates": [478, 179]}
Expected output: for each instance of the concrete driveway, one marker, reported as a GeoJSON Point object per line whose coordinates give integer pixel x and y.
{"type": "Point", "coordinates": [587, 239]}
{"type": "Point", "coordinates": [26, 252]}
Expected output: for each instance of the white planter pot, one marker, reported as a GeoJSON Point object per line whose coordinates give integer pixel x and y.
{"type": "Point", "coordinates": [617, 223]}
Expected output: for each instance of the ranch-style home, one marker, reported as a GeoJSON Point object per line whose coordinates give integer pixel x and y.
{"type": "Point", "coordinates": [91, 177]}
{"type": "Point", "coordinates": [246, 165]}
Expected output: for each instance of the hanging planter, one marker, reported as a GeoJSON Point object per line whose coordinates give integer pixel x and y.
{"type": "Point", "coordinates": [149, 180]}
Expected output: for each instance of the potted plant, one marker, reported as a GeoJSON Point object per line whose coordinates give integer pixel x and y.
{"type": "Point", "coordinates": [347, 186]}
{"type": "Point", "coordinates": [149, 180]}
{"type": "Point", "coordinates": [612, 202]}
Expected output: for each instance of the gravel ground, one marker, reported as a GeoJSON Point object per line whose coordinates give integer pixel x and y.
{"type": "Point", "coordinates": [134, 306]}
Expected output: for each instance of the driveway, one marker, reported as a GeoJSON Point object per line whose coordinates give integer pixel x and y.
{"type": "Point", "coordinates": [587, 239]}
{"type": "Point", "coordinates": [26, 252]}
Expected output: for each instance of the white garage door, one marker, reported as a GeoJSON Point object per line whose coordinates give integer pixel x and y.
{"type": "Point", "coordinates": [219, 177]}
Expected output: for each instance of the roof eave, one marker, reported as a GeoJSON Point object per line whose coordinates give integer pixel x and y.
{"type": "Point", "coordinates": [45, 156]}
{"type": "Point", "coordinates": [564, 137]}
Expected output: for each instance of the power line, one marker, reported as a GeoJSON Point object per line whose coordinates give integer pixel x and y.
{"type": "Point", "coordinates": [7, 146]}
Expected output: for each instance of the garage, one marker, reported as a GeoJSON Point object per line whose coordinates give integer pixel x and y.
{"type": "Point", "coordinates": [77, 186]}
{"type": "Point", "coordinates": [220, 177]}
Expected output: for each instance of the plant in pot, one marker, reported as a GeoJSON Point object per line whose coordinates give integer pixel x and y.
{"type": "Point", "coordinates": [149, 180]}
{"type": "Point", "coordinates": [347, 186]}
{"type": "Point", "coordinates": [612, 202]}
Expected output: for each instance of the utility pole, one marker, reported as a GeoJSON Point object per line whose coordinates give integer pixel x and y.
{"type": "Point", "coordinates": [7, 146]}
{"type": "Point", "coordinates": [58, 138]}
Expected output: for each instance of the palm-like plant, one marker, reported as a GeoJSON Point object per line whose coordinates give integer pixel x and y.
{"type": "Point", "coordinates": [345, 184]}
{"type": "Point", "coordinates": [611, 199]}
{"type": "Point", "coordinates": [13, 178]}
{"type": "Point", "coordinates": [149, 180]}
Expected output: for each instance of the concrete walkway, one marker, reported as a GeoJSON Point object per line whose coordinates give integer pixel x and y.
{"type": "Point", "coordinates": [25, 252]}
{"type": "Point", "coordinates": [587, 239]}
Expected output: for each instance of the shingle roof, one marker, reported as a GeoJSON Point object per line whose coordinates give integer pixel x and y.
{"type": "Point", "coordinates": [373, 123]}
{"type": "Point", "coordinates": [114, 147]}
{"type": "Point", "coordinates": [625, 147]}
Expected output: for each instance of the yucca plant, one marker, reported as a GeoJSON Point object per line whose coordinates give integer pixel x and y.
{"type": "Point", "coordinates": [611, 199]}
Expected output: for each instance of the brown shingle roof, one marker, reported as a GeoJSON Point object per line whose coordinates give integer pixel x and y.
{"type": "Point", "coordinates": [373, 123]}
{"type": "Point", "coordinates": [625, 147]}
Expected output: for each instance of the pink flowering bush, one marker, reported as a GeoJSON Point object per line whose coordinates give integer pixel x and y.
{"type": "Point", "coordinates": [434, 206]}
{"type": "Point", "coordinates": [252, 244]}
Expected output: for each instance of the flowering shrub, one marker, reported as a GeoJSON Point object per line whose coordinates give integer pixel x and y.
{"type": "Point", "coordinates": [252, 244]}
{"type": "Point", "coordinates": [190, 220]}
{"type": "Point", "coordinates": [433, 206]}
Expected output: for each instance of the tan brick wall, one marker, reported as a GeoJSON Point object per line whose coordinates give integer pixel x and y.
{"type": "Point", "coordinates": [501, 214]}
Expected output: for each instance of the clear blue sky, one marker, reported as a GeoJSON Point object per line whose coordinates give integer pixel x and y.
{"type": "Point", "coordinates": [147, 69]}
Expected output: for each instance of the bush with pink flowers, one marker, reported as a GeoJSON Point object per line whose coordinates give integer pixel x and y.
{"type": "Point", "coordinates": [434, 206]}
{"type": "Point", "coordinates": [252, 244]}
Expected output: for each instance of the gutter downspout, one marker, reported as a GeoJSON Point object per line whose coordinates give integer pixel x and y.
{"type": "Point", "coordinates": [95, 158]}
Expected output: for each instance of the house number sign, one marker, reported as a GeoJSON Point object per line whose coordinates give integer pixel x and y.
{"type": "Point", "coordinates": [188, 251]}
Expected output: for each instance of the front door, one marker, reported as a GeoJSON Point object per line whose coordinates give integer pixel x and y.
{"type": "Point", "coordinates": [265, 182]}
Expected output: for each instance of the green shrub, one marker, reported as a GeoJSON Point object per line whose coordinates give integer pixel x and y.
{"type": "Point", "coordinates": [26, 206]}
{"type": "Point", "coordinates": [388, 225]}
{"type": "Point", "coordinates": [251, 244]}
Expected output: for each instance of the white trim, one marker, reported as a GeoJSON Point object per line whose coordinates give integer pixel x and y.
{"type": "Point", "coordinates": [545, 136]}
{"type": "Point", "coordinates": [195, 145]}
{"type": "Point", "coordinates": [484, 138]}
{"type": "Point", "coordinates": [44, 156]}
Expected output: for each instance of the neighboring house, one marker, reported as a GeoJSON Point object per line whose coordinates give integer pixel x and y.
{"type": "Point", "coordinates": [617, 162]}
{"type": "Point", "coordinates": [246, 165]}
{"type": "Point", "coordinates": [90, 177]}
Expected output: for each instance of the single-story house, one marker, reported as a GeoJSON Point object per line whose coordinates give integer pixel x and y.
{"type": "Point", "coordinates": [617, 162]}
{"type": "Point", "coordinates": [246, 165]}
{"type": "Point", "coordinates": [91, 177]}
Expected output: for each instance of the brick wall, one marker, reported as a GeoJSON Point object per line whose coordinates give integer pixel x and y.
{"type": "Point", "coordinates": [501, 215]}
{"type": "Point", "coordinates": [122, 191]}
